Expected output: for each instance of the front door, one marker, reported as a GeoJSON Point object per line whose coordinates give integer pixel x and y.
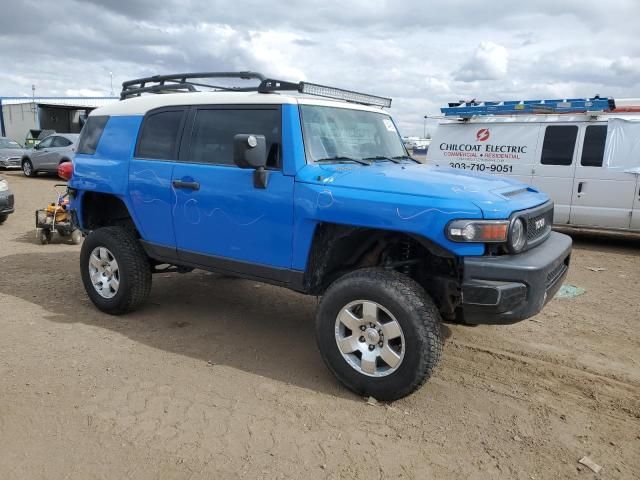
{"type": "Point", "coordinates": [42, 154]}
{"type": "Point", "coordinates": [553, 173]}
{"type": "Point", "coordinates": [602, 197]}
{"type": "Point", "coordinates": [635, 216]}
{"type": "Point", "coordinates": [220, 219]}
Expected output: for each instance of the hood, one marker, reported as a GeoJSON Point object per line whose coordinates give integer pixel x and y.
{"type": "Point", "coordinates": [11, 152]}
{"type": "Point", "coordinates": [496, 196]}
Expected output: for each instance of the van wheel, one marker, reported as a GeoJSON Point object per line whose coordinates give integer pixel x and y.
{"type": "Point", "coordinates": [27, 168]}
{"type": "Point", "coordinates": [115, 270]}
{"type": "Point", "coordinates": [379, 333]}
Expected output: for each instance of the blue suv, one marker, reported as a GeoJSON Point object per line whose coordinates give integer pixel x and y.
{"type": "Point", "coordinates": [310, 188]}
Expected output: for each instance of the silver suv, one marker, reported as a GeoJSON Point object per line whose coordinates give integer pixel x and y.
{"type": "Point", "coordinates": [49, 153]}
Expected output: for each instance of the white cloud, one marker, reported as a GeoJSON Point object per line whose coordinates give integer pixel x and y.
{"type": "Point", "coordinates": [489, 61]}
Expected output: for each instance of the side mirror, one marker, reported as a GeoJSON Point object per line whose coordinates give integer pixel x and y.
{"type": "Point", "coordinates": [249, 151]}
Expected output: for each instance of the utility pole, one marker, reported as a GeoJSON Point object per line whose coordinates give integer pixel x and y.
{"type": "Point", "coordinates": [424, 130]}
{"type": "Point", "coordinates": [33, 103]}
{"type": "Point", "coordinates": [111, 76]}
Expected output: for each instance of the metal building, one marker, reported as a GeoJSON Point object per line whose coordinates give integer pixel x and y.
{"type": "Point", "coordinates": [24, 117]}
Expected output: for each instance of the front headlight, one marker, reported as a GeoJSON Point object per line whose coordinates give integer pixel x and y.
{"type": "Point", "coordinates": [517, 235]}
{"type": "Point", "coordinates": [481, 231]}
{"type": "Point", "coordinates": [4, 186]}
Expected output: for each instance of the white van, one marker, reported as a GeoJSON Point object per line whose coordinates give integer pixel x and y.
{"type": "Point", "coordinates": [585, 153]}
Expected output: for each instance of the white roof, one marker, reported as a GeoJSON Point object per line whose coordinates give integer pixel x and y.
{"type": "Point", "coordinates": [141, 105]}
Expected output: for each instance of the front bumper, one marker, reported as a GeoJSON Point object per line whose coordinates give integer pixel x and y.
{"type": "Point", "coordinates": [6, 203]}
{"type": "Point", "coordinates": [12, 162]}
{"type": "Point", "coordinates": [509, 288]}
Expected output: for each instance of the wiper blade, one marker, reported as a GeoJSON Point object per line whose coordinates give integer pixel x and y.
{"type": "Point", "coordinates": [382, 157]}
{"type": "Point", "coordinates": [342, 158]}
{"type": "Point", "coordinates": [401, 157]}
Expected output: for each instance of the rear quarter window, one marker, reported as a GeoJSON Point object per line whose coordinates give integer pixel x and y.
{"type": "Point", "coordinates": [160, 135]}
{"type": "Point", "coordinates": [91, 134]}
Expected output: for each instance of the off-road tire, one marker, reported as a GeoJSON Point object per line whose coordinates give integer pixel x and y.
{"type": "Point", "coordinates": [407, 301]}
{"type": "Point", "coordinates": [135, 271]}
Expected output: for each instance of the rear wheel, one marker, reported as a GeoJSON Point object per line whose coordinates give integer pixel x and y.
{"type": "Point", "coordinates": [379, 333]}
{"type": "Point", "coordinates": [45, 236]}
{"type": "Point", "coordinates": [27, 168]}
{"type": "Point", "coordinates": [115, 270]}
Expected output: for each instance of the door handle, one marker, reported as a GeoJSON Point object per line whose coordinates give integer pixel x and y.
{"type": "Point", "coordinates": [580, 185]}
{"type": "Point", "coordinates": [186, 185]}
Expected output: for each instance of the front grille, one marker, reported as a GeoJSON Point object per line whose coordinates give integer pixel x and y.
{"type": "Point", "coordinates": [539, 225]}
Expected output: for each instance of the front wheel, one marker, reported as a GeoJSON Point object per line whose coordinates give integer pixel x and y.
{"type": "Point", "coordinates": [115, 270]}
{"type": "Point", "coordinates": [27, 168]}
{"type": "Point", "coordinates": [379, 333]}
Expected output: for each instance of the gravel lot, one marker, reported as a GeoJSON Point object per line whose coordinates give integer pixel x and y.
{"type": "Point", "coordinates": [220, 378]}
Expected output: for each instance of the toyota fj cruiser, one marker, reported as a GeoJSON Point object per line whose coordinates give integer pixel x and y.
{"type": "Point", "coordinates": [310, 188]}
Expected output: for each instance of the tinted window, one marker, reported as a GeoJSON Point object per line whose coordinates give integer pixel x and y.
{"type": "Point", "coordinates": [91, 133]}
{"type": "Point", "coordinates": [213, 132]}
{"type": "Point", "coordinates": [559, 142]}
{"type": "Point", "coordinates": [46, 143]}
{"type": "Point", "coordinates": [160, 134]}
{"type": "Point", "coordinates": [61, 142]}
{"type": "Point", "coordinates": [593, 146]}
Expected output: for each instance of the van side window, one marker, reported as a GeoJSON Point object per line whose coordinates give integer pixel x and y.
{"type": "Point", "coordinates": [214, 129]}
{"type": "Point", "coordinates": [159, 136]}
{"type": "Point", "coordinates": [559, 142]}
{"type": "Point", "coordinates": [593, 146]}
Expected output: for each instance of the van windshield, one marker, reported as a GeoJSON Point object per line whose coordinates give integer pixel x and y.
{"type": "Point", "coordinates": [340, 134]}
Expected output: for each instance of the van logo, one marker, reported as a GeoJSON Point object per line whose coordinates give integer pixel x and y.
{"type": "Point", "coordinates": [540, 223]}
{"type": "Point", "coordinates": [482, 135]}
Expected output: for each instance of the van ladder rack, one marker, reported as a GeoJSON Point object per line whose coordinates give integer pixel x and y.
{"type": "Point", "coordinates": [520, 107]}
{"type": "Point", "coordinates": [184, 82]}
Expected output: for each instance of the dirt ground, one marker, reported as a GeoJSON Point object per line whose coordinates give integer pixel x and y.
{"type": "Point", "coordinates": [221, 378]}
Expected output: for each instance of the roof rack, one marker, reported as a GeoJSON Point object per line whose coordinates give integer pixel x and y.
{"type": "Point", "coordinates": [519, 107]}
{"type": "Point", "coordinates": [184, 82]}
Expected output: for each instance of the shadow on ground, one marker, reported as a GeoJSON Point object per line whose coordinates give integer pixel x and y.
{"type": "Point", "coordinates": [258, 328]}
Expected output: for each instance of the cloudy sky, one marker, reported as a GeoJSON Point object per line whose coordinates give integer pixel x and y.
{"type": "Point", "coordinates": [421, 53]}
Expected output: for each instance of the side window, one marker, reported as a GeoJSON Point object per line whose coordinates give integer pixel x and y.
{"type": "Point", "coordinates": [46, 143]}
{"type": "Point", "coordinates": [558, 146]}
{"type": "Point", "coordinates": [160, 135]}
{"type": "Point", "coordinates": [593, 146]}
{"type": "Point", "coordinates": [213, 132]}
{"type": "Point", "coordinates": [60, 142]}
{"type": "Point", "coordinates": [91, 133]}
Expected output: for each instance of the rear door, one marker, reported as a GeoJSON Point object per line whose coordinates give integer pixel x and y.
{"type": "Point", "coordinates": [220, 219]}
{"type": "Point", "coordinates": [59, 150]}
{"type": "Point", "coordinates": [150, 172]}
{"type": "Point", "coordinates": [494, 148]}
{"type": "Point", "coordinates": [554, 171]}
{"type": "Point", "coordinates": [602, 197]}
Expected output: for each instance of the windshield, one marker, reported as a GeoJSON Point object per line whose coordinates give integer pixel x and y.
{"type": "Point", "coordinates": [333, 133]}
{"type": "Point", "coordinates": [7, 143]}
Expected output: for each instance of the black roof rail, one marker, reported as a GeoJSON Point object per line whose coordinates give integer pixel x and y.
{"type": "Point", "coordinates": [184, 82]}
